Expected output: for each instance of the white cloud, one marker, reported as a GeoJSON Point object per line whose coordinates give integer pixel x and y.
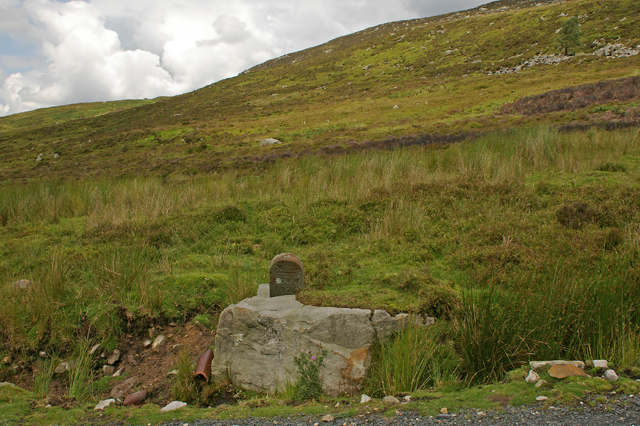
{"type": "Point", "coordinates": [93, 50]}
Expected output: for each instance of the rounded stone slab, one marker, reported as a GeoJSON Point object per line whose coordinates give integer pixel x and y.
{"type": "Point", "coordinates": [286, 275]}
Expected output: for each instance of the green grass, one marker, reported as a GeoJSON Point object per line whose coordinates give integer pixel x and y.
{"type": "Point", "coordinates": [523, 242]}
{"type": "Point", "coordinates": [417, 230]}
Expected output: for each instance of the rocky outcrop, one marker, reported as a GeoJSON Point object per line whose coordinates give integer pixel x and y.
{"type": "Point", "coordinates": [258, 338]}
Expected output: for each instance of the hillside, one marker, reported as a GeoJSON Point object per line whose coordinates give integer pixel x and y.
{"type": "Point", "coordinates": [500, 197]}
{"type": "Point", "coordinates": [447, 75]}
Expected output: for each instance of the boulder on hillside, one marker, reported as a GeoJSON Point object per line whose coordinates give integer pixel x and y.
{"type": "Point", "coordinates": [269, 142]}
{"type": "Point", "coordinates": [258, 338]}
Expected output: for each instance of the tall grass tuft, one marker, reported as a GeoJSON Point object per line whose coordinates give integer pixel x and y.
{"type": "Point", "coordinates": [42, 377]}
{"type": "Point", "coordinates": [80, 375]}
{"type": "Point", "coordinates": [417, 358]}
{"type": "Point", "coordinates": [184, 386]}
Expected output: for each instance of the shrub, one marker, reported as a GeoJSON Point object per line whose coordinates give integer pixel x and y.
{"type": "Point", "coordinates": [576, 215]}
{"type": "Point", "coordinates": [309, 385]}
{"type": "Point", "coordinates": [230, 214]}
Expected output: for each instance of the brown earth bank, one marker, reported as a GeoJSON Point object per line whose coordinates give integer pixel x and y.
{"type": "Point", "coordinates": [155, 369]}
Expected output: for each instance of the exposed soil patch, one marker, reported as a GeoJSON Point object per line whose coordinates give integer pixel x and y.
{"type": "Point", "coordinates": [577, 97]}
{"type": "Point", "coordinates": [152, 368]}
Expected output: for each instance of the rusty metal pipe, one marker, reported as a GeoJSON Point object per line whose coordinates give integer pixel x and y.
{"type": "Point", "coordinates": [136, 398]}
{"type": "Point", "coordinates": [203, 369]}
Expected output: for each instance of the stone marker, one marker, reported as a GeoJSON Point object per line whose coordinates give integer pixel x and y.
{"type": "Point", "coordinates": [286, 275]}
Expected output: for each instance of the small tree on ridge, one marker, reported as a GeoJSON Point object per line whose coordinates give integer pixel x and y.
{"type": "Point", "coordinates": [569, 36]}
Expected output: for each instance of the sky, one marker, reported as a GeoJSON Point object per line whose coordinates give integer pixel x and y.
{"type": "Point", "coordinates": [55, 52]}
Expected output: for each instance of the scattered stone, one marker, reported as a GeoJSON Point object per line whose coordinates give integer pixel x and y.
{"type": "Point", "coordinates": [364, 399]}
{"type": "Point", "coordinates": [39, 157]}
{"type": "Point", "coordinates": [600, 363]}
{"type": "Point", "coordinates": [120, 389]}
{"type": "Point", "coordinates": [62, 368]}
{"type": "Point", "coordinates": [6, 360]}
{"type": "Point", "coordinates": [131, 359]}
{"type": "Point", "coordinates": [136, 398]}
{"type": "Point", "coordinates": [3, 384]}
{"type": "Point", "coordinates": [119, 372]}
{"type": "Point", "coordinates": [444, 410]}
{"type": "Point", "coordinates": [328, 418]}
{"type": "Point", "coordinates": [94, 349]}
{"type": "Point", "coordinates": [104, 404]}
{"type": "Point", "coordinates": [146, 343]}
{"type": "Point", "coordinates": [611, 375]}
{"type": "Point", "coordinates": [407, 398]}
{"type": "Point", "coordinates": [115, 357]}
{"type": "Point", "coordinates": [42, 354]}
{"type": "Point", "coordinates": [396, 107]}
{"type": "Point", "coordinates": [153, 332]}
{"type": "Point", "coordinates": [560, 371]}
{"type": "Point", "coordinates": [541, 398]}
{"type": "Point", "coordinates": [286, 275]}
{"type": "Point", "coordinates": [108, 369]}
{"type": "Point", "coordinates": [157, 344]}
{"type": "Point", "coordinates": [269, 142]}
{"type": "Point", "coordinates": [541, 383]}
{"type": "Point", "coordinates": [536, 365]}
{"type": "Point", "coordinates": [201, 327]}
{"type": "Point", "coordinates": [444, 416]}
{"type": "Point", "coordinates": [617, 50]}
{"type": "Point", "coordinates": [390, 399]}
{"type": "Point", "coordinates": [175, 405]}
{"type": "Point", "coordinates": [385, 325]}
{"type": "Point", "coordinates": [533, 377]}
{"type": "Point", "coordinates": [23, 284]}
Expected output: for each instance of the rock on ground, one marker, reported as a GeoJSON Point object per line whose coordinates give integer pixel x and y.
{"type": "Point", "coordinates": [175, 405]}
{"type": "Point", "coordinates": [258, 338]}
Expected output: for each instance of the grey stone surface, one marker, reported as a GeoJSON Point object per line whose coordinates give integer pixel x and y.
{"type": "Point", "coordinates": [172, 406]}
{"type": "Point", "coordinates": [611, 376]}
{"type": "Point", "coordinates": [115, 357]}
{"type": "Point", "coordinates": [536, 365]}
{"type": "Point", "coordinates": [269, 142]}
{"type": "Point", "coordinates": [390, 399]}
{"type": "Point", "coordinates": [263, 291]}
{"type": "Point", "coordinates": [62, 368]}
{"type": "Point", "coordinates": [533, 377]}
{"type": "Point", "coordinates": [600, 363]}
{"type": "Point", "coordinates": [104, 404]}
{"type": "Point", "coordinates": [258, 338]}
{"type": "Point", "coordinates": [119, 390]}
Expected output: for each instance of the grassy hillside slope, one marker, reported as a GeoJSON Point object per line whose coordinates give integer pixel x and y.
{"type": "Point", "coordinates": [338, 95]}
{"type": "Point", "coordinates": [523, 242]}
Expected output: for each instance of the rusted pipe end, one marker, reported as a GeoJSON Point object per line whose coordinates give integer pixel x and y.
{"type": "Point", "coordinates": [203, 368]}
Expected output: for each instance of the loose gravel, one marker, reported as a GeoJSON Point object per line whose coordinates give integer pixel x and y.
{"type": "Point", "coordinates": [614, 410]}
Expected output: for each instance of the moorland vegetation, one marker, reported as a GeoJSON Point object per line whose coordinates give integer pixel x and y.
{"type": "Point", "coordinates": [522, 238]}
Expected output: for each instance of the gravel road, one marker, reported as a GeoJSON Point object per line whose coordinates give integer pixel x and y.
{"type": "Point", "coordinates": [616, 410]}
